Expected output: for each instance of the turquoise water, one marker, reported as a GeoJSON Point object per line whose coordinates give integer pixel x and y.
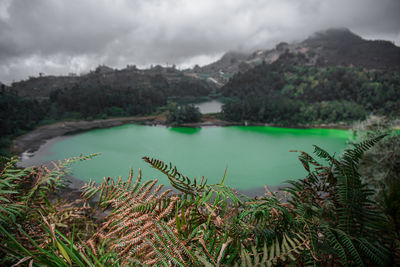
{"type": "Point", "coordinates": [255, 156]}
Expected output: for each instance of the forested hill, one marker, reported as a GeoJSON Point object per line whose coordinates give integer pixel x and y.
{"type": "Point", "coordinates": [172, 81]}
{"type": "Point", "coordinates": [288, 92]}
{"type": "Point", "coordinates": [335, 47]}
{"type": "Point", "coordinates": [332, 47]}
{"type": "Point", "coordinates": [333, 76]}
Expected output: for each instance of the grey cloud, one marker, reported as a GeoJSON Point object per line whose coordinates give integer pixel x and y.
{"type": "Point", "coordinates": [55, 36]}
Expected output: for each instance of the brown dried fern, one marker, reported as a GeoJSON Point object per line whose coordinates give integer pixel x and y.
{"type": "Point", "coordinates": [137, 211]}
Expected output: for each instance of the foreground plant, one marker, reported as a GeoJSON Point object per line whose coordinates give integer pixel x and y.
{"type": "Point", "coordinates": [37, 227]}
{"type": "Point", "coordinates": [337, 211]}
{"type": "Point", "coordinates": [328, 218]}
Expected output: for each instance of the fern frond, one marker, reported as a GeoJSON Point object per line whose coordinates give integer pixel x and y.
{"type": "Point", "coordinates": [173, 250]}
{"type": "Point", "coordinates": [351, 157]}
{"type": "Point", "coordinates": [48, 180]}
{"type": "Point", "coordinates": [11, 178]}
{"type": "Point", "coordinates": [283, 250]}
{"type": "Point", "coordinates": [177, 180]}
{"type": "Point", "coordinates": [321, 153]}
{"type": "Point", "coordinates": [137, 210]}
{"type": "Point", "coordinates": [376, 253]}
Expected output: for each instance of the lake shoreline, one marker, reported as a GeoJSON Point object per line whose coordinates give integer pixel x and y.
{"type": "Point", "coordinates": [31, 141]}
{"type": "Point", "coordinates": [31, 144]}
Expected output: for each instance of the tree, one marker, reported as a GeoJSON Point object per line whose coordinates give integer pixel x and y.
{"type": "Point", "coordinates": [178, 114]}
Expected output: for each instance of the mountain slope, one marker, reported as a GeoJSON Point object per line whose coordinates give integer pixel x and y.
{"type": "Point", "coordinates": [332, 47]}
{"type": "Point", "coordinates": [342, 47]}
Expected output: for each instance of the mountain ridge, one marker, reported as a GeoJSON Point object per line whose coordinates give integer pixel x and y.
{"type": "Point", "coordinates": [331, 47]}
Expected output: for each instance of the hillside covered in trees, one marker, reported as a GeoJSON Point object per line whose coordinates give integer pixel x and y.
{"type": "Point", "coordinates": [287, 92]}
{"type": "Point", "coordinates": [326, 48]}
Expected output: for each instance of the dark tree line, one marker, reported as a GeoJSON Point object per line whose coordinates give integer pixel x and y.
{"type": "Point", "coordinates": [284, 111]}
{"type": "Point", "coordinates": [103, 101]}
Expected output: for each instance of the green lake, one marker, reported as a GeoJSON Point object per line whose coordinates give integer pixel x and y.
{"type": "Point", "coordinates": [254, 156]}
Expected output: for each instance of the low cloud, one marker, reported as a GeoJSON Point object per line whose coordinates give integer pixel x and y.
{"type": "Point", "coordinates": [58, 37]}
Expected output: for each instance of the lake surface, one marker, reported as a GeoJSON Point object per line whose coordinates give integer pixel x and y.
{"type": "Point", "coordinates": [255, 155]}
{"type": "Point", "coordinates": [212, 106]}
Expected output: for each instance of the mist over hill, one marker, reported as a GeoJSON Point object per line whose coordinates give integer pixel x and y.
{"type": "Point", "coordinates": [332, 47]}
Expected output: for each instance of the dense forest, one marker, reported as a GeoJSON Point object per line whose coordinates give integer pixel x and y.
{"type": "Point", "coordinates": [340, 214]}
{"type": "Point", "coordinates": [289, 93]}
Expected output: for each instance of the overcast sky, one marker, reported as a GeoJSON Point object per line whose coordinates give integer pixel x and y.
{"type": "Point", "coordinates": [62, 36]}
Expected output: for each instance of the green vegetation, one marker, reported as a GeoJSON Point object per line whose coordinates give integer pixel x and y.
{"type": "Point", "coordinates": [17, 115]}
{"type": "Point", "coordinates": [380, 170]}
{"type": "Point", "coordinates": [178, 114]}
{"type": "Point", "coordinates": [330, 218]}
{"type": "Point", "coordinates": [284, 93]}
{"type": "Point", "coordinates": [286, 112]}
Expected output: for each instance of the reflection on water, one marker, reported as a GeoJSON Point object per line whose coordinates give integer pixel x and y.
{"type": "Point", "coordinates": [185, 130]}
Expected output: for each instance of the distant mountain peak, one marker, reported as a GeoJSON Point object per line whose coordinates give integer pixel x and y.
{"type": "Point", "coordinates": [337, 30]}
{"type": "Point", "coordinates": [334, 34]}
{"type": "Point", "coordinates": [330, 47]}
